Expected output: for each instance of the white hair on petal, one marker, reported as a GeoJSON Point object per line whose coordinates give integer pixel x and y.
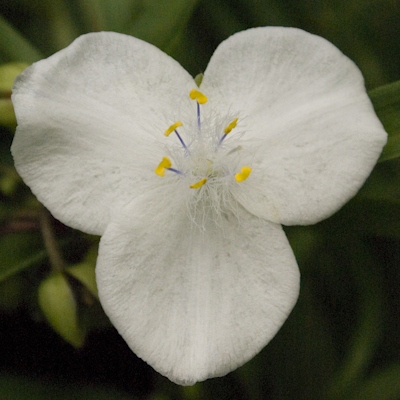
{"type": "Point", "coordinates": [207, 153]}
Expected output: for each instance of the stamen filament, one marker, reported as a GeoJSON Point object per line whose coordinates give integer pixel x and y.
{"type": "Point", "coordinates": [181, 140]}
{"type": "Point", "coordinates": [198, 115]}
{"type": "Point", "coordinates": [243, 174]}
{"type": "Point", "coordinates": [175, 170]}
{"type": "Point", "coordinates": [199, 184]}
{"type": "Point", "coordinates": [173, 128]}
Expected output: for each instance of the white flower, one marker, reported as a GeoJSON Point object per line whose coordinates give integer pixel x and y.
{"type": "Point", "coordinates": [194, 269]}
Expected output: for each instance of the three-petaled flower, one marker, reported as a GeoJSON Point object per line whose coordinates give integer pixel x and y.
{"type": "Point", "coordinates": [189, 186]}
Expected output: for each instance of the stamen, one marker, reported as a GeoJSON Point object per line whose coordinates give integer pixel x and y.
{"type": "Point", "coordinates": [201, 99]}
{"type": "Point", "coordinates": [165, 163]}
{"type": "Point", "coordinates": [199, 184]}
{"type": "Point", "coordinates": [230, 126]}
{"type": "Point", "coordinates": [243, 175]}
{"type": "Point", "coordinates": [172, 128]}
{"type": "Point", "coordinates": [195, 94]}
{"type": "Point", "coordinates": [227, 130]}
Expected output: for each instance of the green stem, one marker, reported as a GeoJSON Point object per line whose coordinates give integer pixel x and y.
{"type": "Point", "coordinates": [56, 261]}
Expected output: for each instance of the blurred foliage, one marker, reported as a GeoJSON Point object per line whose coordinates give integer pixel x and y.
{"type": "Point", "coordinates": [17, 388]}
{"type": "Point", "coordinates": [341, 341]}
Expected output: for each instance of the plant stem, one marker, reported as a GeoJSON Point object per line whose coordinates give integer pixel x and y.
{"type": "Point", "coordinates": [56, 261]}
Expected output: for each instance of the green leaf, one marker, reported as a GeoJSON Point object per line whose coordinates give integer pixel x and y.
{"type": "Point", "coordinates": [62, 26]}
{"type": "Point", "coordinates": [108, 15]}
{"type": "Point", "coordinates": [224, 20]}
{"type": "Point", "coordinates": [58, 304]}
{"type": "Point", "coordinates": [386, 101]}
{"type": "Point", "coordinates": [301, 357]}
{"type": "Point", "coordinates": [156, 22]}
{"type": "Point", "coordinates": [159, 21]}
{"type": "Point", "coordinates": [371, 218]}
{"type": "Point", "coordinates": [19, 251]}
{"type": "Point", "coordinates": [384, 183]}
{"type": "Point", "coordinates": [14, 47]}
{"type": "Point", "coordinates": [382, 385]}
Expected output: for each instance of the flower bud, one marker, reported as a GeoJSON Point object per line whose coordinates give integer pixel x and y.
{"type": "Point", "coordinates": [8, 180]}
{"type": "Point", "coordinates": [85, 274]}
{"type": "Point", "coordinates": [58, 304]}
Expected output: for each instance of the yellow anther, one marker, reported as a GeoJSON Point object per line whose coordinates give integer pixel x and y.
{"type": "Point", "coordinates": [172, 128]}
{"type": "Point", "coordinates": [199, 184]}
{"type": "Point", "coordinates": [243, 175]}
{"type": "Point", "coordinates": [195, 94]}
{"type": "Point", "coordinates": [165, 163]}
{"type": "Point", "coordinates": [230, 126]}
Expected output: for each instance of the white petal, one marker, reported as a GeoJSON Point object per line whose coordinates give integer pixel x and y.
{"type": "Point", "coordinates": [304, 109]}
{"type": "Point", "coordinates": [195, 303]}
{"type": "Point", "coordinates": [88, 117]}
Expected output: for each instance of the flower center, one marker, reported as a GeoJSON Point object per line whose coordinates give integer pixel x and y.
{"type": "Point", "coordinates": [204, 156]}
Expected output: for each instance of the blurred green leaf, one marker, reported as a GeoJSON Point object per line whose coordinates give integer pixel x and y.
{"type": "Point", "coordinates": [386, 101]}
{"type": "Point", "coordinates": [384, 183]}
{"type": "Point", "coordinates": [19, 251]}
{"type": "Point", "coordinates": [371, 218]}
{"type": "Point", "coordinates": [14, 47]}
{"type": "Point", "coordinates": [12, 293]}
{"type": "Point", "coordinates": [108, 15]}
{"type": "Point", "coordinates": [225, 21]}
{"type": "Point", "coordinates": [62, 26]}
{"type": "Point", "coordinates": [24, 388]}
{"type": "Point", "coordinates": [366, 337]}
{"type": "Point", "coordinates": [302, 356]}
{"type": "Point", "coordinates": [57, 301]}
{"type": "Point", "coordinates": [271, 12]}
{"type": "Point", "coordinates": [8, 72]}
{"type": "Point", "coordinates": [382, 385]}
{"type": "Point", "coordinates": [158, 22]}
{"type": "Point", "coordinates": [187, 50]}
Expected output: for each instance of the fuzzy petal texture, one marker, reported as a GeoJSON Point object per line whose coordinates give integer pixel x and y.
{"type": "Point", "coordinates": [195, 302]}
{"type": "Point", "coordinates": [302, 104]}
{"type": "Point", "coordinates": [87, 119]}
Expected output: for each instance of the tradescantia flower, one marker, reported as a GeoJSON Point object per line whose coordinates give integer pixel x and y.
{"type": "Point", "coordinates": [189, 186]}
